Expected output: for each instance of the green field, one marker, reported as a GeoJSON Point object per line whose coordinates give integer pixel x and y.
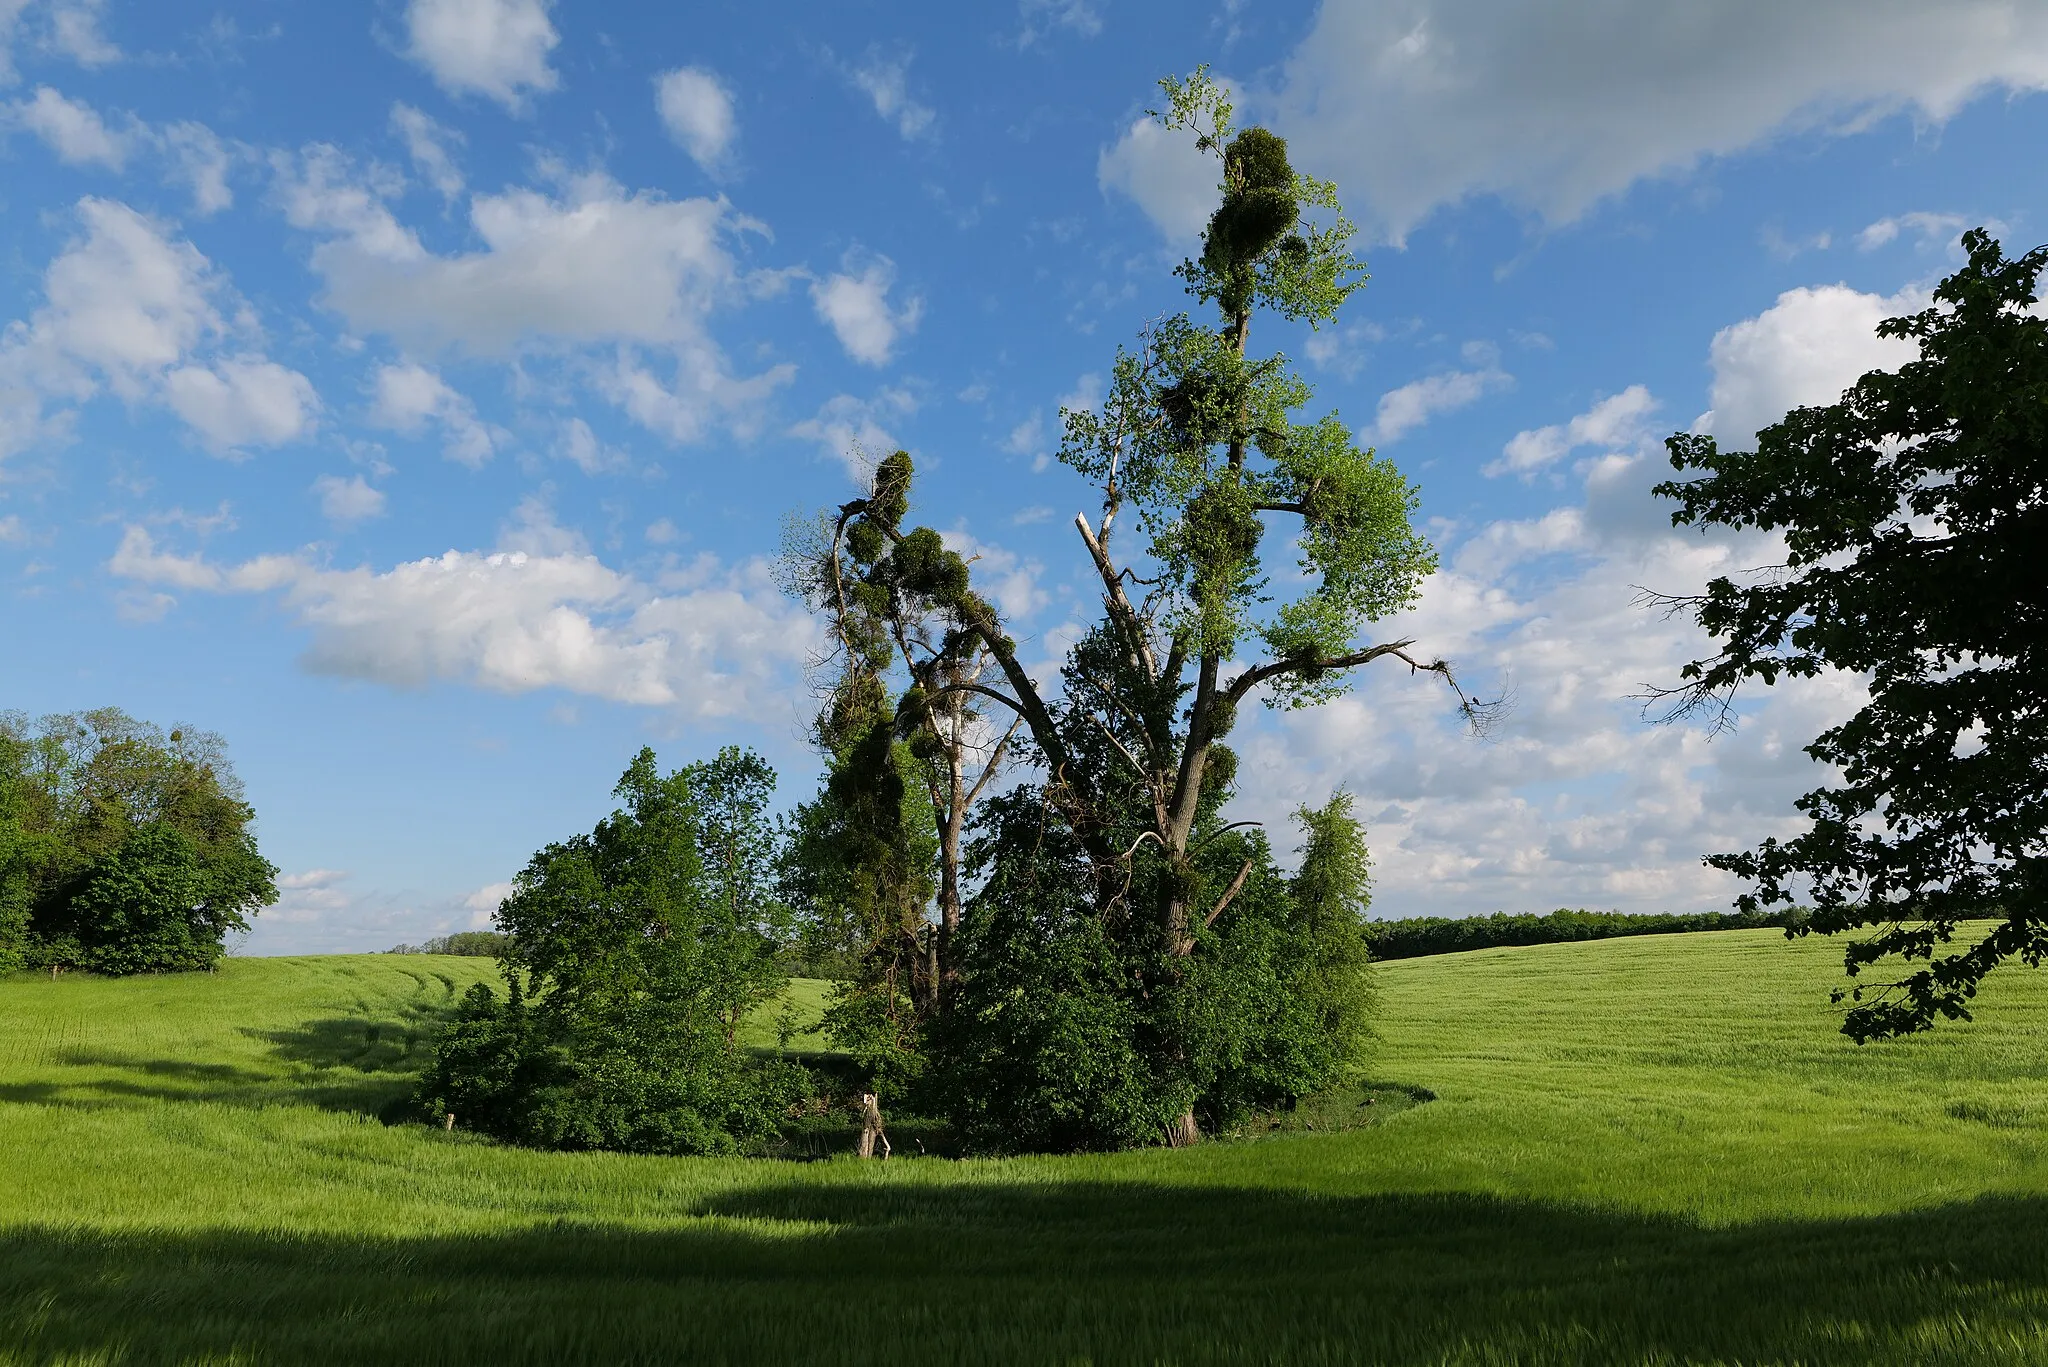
{"type": "Point", "coordinates": [1644, 1150]}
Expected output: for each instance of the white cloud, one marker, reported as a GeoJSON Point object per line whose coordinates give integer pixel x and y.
{"type": "Point", "coordinates": [1421, 103]}
{"type": "Point", "coordinates": [127, 307]}
{"type": "Point", "coordinates": [1040, 16]}
{"type": "Point", "coordinates": [887, 86]}
{"type": "Point", "coordinates": [710, 641]}
{"type": "Point", "coordinates": [593, 265]}
{"type": "Point", "coordinates": [75, 32]}
{"type": "Point", "coordinates": [346, 501]}
{"type": "Point", "coordinates": [495, 48]}
{"type": "Point", "coordinates": [850, 429]}
{"type": "Point", "coordinates": [427, 142]}
{"type": "Point", "coordinates": [1618, 422]}
{"type": "Point", "coordinates": [200, 161]}
{"type": "Point", "coordinates": [1805, 349]}
{"type": "Point", "coordinates": [697, 110]}
{"type": "Point", "coordinates": [243, 401]}
{"type": "Point", "coordinates": [576, 443]}
{"type": "Point", "coordinates": [1929, 228]}
{"type": "Point", "coordinates": [589, 265]}
{"type": "Point", "coordinates": [1576, 801]}
{"type": "Point", "coordinates": [1403, 410]}
{"type": "Point", "coordinates": [1004, 575]}
{"type": "Point", "coordinates": [1165, 174]}
{"type": "Point", "coordinates": [72, 129]}
{"type": "Point", "coordinates": [704, 394]}
{"type": "Point", "coordinates": [857, 308]}
{"type": "Point", "coordinates": [408, 397]}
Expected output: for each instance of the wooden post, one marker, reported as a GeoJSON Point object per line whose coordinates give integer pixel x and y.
{"type": "Point", "coordinates": [871, 1126]}
{"type": "Point", "coordinates": [448, 1121]}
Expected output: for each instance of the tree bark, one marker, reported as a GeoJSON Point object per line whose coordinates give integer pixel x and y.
{"type": "Point", "coordinates": [1184, 1132]}
{"type": "Point", "coordinates": [871, 1126]}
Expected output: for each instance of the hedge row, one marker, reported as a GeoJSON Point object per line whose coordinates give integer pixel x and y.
{"type": "Point", "coordinates": [1424, 935]}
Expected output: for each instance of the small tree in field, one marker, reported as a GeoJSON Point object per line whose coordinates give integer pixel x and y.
{"type": "Point", "coordinates": [632, 955]}
{"type": "Point", "coordinates": [1915, 517]}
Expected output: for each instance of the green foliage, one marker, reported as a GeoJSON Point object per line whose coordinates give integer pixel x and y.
{"type": "Point", "coordinates": [1071, 1030]}
{"type": "Point", "coordinates": [1914, 513]}
{"type": "Point", "coordinates": [633, 954]}
{"type": "Point", "coordinates": [1421, 936]}
{"type": "Point", "coordinates": [122, 849]}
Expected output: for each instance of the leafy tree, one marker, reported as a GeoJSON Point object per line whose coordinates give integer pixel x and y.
{"type": "Point", "coordinates": [1198, 441]}
{"type": "Point", "coordinates": [633, 954]}
{"type": "Point", "coordinates": [908, 756]}
{"type": "Point", "coordinates": [122, 849]}
{"type": "Point", "coordinates": [1915, 519]}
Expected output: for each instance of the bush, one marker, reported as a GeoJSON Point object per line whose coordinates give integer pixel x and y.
{"type": "Point", "coordinates": [1420, 936]}
{"type": "Point", "coordinates": [630, 957]}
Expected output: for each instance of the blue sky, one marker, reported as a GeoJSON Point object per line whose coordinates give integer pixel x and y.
{"type": "Point", "coordinates": [415, 392]}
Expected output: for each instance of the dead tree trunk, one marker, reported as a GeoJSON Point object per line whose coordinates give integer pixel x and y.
{"type": "Point", "coordinates": [871, 1126]}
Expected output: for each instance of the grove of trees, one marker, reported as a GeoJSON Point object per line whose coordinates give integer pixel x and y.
{"type": "Point", "coordinates": [1087, 953]}
{"type": "Point", "coordinates": [122, 849]}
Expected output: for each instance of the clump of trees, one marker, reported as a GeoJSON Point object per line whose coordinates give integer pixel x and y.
{"type": "Point", "coordinates": [632, 955]}
{"type": "Point", "coordinates": [123, 849]}
{"type": "Point", "coordinates": [1048, 930]}
{"type": "Point", "coordinates": [1914, 514]}
{"type": "Point", "coordinates": [1110, 960]}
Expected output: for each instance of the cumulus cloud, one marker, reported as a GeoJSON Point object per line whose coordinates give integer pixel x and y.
{"type": "Point", "coordinates": [1011, 579]}
{"type": "Point", "coordinates": [495, 48]}
{"type": "Point", "coordinates": [886, 83]}
{"type": "Point", "coordinates": [1929, 228]}
{"type": "Point", "coordinates": [1618, 422]}
{"type": "Point", "coordinates": [348, 501]}
{"type": "Point", "coordinates": [1576, 800]}
{"type": "Point", "coordinates": [1805, 349]}
{"type": "Point", "coordinates": [1403, 410]}
{"type": "Point", "coordinates": [1421, 103]}
{"type": "Point", "coordinates": [1165, 174]}
{"type": "Point", "coordinates": [242, 402]}
{"type": "Point", "coordinates": [428, 143]}
{"type": "Point", "coordinates": [697, 110]}
{"type": "Point", "coordinates": [408, 398]}
{"type": "Point", "coordinates": [855, 303]}
{"type": "Point", "coordinates": [127, 307]}
{"type": "Point", "coordinates": [594, 264]}
{"type": "Point", "coordinates": [75, 32]}
{"type": "Point", "coordinates": [710, 641]}
{"type": "Point", "coordinates": [190, 154]}
{"type": "Point", "coordinates": [72, 129]}
{"type": "Point", "coordinates": [1040, 17]}
{"type": "Point", "coordinates": [587, 266]}
{"type": "Point", "coordinates": [850, 430]}
{"type": "Point", "coordinates": [197, 159]}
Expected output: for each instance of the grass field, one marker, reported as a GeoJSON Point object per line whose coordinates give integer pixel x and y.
{"type": "Point", "coordinates": [1644, 1150]}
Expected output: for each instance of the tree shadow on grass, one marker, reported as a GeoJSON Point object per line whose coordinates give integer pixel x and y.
{"type": "Point", "coordinates": [343, 1063]}
{"type": "Point", "coordinates": [905, 1272]}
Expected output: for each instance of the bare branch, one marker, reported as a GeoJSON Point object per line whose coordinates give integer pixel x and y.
{"type": "Point", "coordinates": [984, 691]}
{"type": "Point", "coordinates": [1228, 893]}
{"type": "Point", "coordinates": [1113, 596]}
{"type": "Point", "coordinates": [995, 761]}
{"type": "Point", "coordinates": [1205, 840]}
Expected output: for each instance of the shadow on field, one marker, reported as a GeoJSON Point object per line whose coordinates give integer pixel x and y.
{"type": "Point", "coordinates": [888, 1272]}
